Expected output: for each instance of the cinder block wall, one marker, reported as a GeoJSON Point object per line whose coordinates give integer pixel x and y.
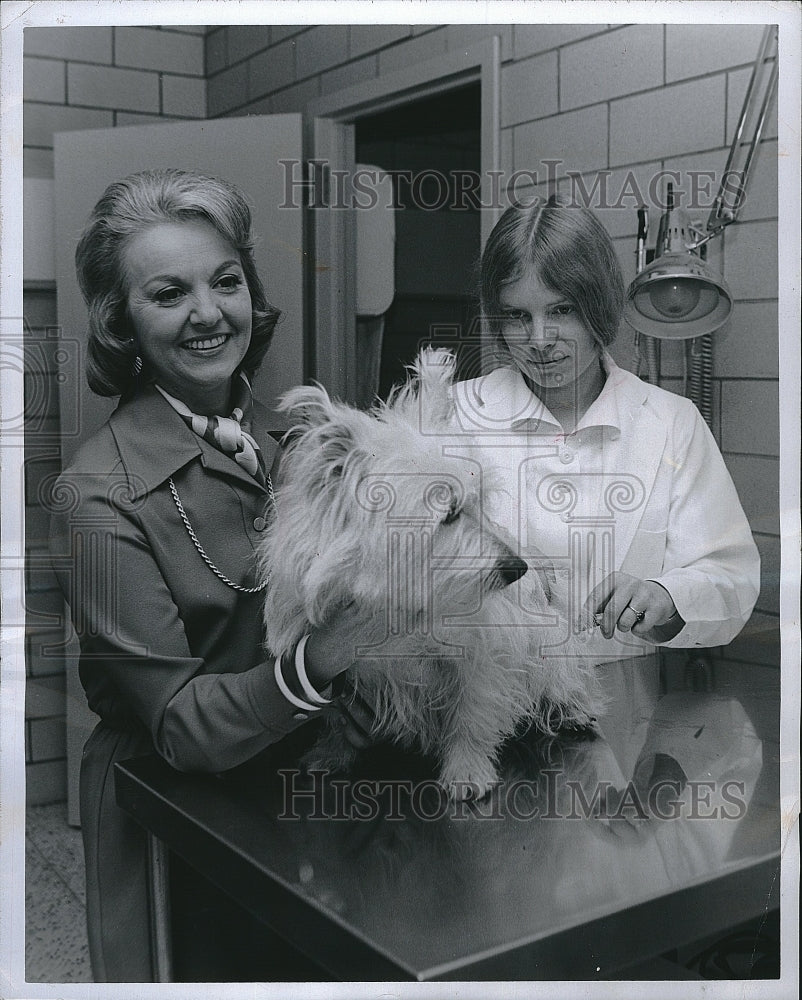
{"type": "Point", "coordinates": [637, 102]}
{"type": "Point", "coordinates": [629, 101]}
{"type": "Point", "coordinates": [76, 78]}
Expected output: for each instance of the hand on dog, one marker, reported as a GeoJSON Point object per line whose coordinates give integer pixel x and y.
{"type": "Point", "coordinates": [617, 602]}
{"type": "Point", "coordinates": [332, 647]}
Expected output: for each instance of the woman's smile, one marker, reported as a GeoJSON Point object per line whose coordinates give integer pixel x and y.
{"type": "Point", "coordinates": [206, 343]}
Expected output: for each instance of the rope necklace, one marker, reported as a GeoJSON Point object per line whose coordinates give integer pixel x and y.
{"type": "Point", "coordinates": [191, 532]}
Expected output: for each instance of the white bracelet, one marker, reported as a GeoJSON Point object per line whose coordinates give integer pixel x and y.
{"type": "Point", "coordinates": [282, 686]}
{"type": "Point", "coordinates": [303, 680]}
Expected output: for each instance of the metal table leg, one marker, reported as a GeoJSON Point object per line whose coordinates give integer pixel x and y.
{"type": "Point", "coordinates": [159, 897]}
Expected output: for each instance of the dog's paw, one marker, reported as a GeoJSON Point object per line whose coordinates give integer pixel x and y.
{"type": "Point", "coordinates": [468, 782]}
{"type": "Point", "coordinates": [329, 759]}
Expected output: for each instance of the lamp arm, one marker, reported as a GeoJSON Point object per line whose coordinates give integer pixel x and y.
{"type": "Point", "coordinates": [722, 215]}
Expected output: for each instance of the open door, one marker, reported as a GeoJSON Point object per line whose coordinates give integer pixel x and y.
{"type": "Point", "coordinates": [249, 153]}
{"type": "Point", "coordinates": [331, 140]}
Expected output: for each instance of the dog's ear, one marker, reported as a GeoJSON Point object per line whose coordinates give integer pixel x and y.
{"type": "Point", "coordinates": [434, 369]}
{"type": "Point", "coordinates": [310, 405]}
{"type": "Point", "coordinates": [322, 436]}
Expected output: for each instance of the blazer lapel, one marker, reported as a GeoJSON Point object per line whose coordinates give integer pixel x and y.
{"type": "Point", "coordinates": [154, 442]}
{"type": "Point", "coordinates": [636, 465]}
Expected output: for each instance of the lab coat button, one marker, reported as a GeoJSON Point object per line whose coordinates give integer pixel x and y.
{"type": "Point", "coordinates": [259, 523]}
{"type": "Point", "coordinates": [566, 456]}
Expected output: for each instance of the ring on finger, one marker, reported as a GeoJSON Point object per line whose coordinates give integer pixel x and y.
{"type": "Point", "coordinates": [639, 615]}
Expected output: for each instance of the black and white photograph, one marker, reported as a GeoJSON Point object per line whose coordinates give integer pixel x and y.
{"type": "Point", "coordinates": [400, 499]}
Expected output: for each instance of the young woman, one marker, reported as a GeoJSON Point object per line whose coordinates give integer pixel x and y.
{"type": "Point", "coordinates": [618, 483]}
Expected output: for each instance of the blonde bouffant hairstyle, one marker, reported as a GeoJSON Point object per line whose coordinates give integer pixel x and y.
{"type": "Point", "coordinates": [128, 207]}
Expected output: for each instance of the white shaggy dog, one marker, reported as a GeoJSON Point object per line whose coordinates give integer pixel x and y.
{"type": "Point", "coordinates": [372, 510]}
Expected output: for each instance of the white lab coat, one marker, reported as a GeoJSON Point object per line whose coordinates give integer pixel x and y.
{"type": "Point", "coordinates": [656, 476]}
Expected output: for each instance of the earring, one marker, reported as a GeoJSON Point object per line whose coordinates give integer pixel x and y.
{"type": "Point", "coordinates": [137, 368]}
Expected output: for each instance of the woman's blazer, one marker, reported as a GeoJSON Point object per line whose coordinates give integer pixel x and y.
{"type": "Point", "coordinates": [165, 643]}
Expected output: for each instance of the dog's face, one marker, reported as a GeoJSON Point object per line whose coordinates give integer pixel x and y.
{"type": "Point", "coordinates": [391, 520]}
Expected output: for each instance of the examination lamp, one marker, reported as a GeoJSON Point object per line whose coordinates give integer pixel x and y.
{"type": "Point", "coordinates": [678, 296]}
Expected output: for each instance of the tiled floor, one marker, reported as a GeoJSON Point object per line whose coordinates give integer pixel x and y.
{"type": "Point", "coordinates": [56, 949]}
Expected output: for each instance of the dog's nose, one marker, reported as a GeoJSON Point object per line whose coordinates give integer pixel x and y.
{"type": "Point", "coordinates": [509, 569]}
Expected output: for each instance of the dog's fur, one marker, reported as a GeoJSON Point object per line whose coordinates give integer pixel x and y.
{"type": "Point", "coordinates": [371, 510]}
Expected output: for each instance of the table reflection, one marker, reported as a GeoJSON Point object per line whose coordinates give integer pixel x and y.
{"type": "Point", "coordinates": [658, 797]}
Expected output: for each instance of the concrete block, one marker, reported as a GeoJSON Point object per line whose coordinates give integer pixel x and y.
{"type": "Point", "coordinates": [462, 36]}
{"type": "Point", "coordinates": [183, 96]}
{"type": "Point", "coordinates": [122, 118]}
{"type": "Point", "coordinates": [667, 122]}
{"type": "Point", "coordinates": [168, 51]}
{"type": "Point", "coordinates": [278, 32]}
{"type": "Point", "coordinates": [48, 738]}
{"type": "Point", "coordinates": [578, 139]}
{"type": "Point", "coordinates": [696, 49]}
{"type": "Point", "coordinates": [245, 40]}
{"type": "Point", "coordinates": [529, 89]}
{"type": "Point", "coordinates": [45, 697]}
{"type": "Point", "coordinates": [37, 163]}
{"type": "Point", "coordinates": [271, 70]}
{"type": "Point", "coordinates": [84, 44]}
{"type": "Point", "coordinates": [416, 50]}
{"type": "Point", "coordinates": [611, 65]}
{"type": "Point", "coordinates": [751, 416]}
{"type": "Point", "coordinates": [189, 29]}
{"type": "Point", "coordinates": [295, 99]}
{"type": "Point", "coordinates": [750, 346]}
{"type": "Point", "coordinates": [45, 659]}
{"type": "Point", "coordinates": [761, 200]}
{"type": "Point", "coordinates": [227, 90]}
{"type": "Point", "coordinates": [44, 80]}
{"type": "Point", "coordinates": [105, 87]}
{"type": "Point", "coordinates": [372, 37]}
{"type": "Point", "coordinates": [46, 782]}
{"type": "Point", "coordinates": [756, 479]}
{"type": "Point", "coordinates": [40, 121]}
{"type": "Point", "coordinates": [615, 196]}
{"type": "Point", "coordinates": [216, 50]}
{"type": "Point", "coordinates": [750, 256]}
{"type": "Point", "coordinates": [322, 47]}
{"type": "Point", "coordinates": [529, 39]}
{"type": "Point", "coordinates": [350, 74]}
{"type": "Point", "coordinates": [263, 106]}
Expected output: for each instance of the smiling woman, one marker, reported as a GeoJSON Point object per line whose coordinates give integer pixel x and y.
{"type": "Point", "coordinates": [156, 525]}
{"type": "Point", "coordinates": [190, 310]}
{"type": "Point", "coordinates": [617, 482]}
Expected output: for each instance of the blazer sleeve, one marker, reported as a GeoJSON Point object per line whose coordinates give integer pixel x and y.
{"type": "Point", "coordinates": [711, 566]}
{"type": "Point", "coordinates": [135, 656]}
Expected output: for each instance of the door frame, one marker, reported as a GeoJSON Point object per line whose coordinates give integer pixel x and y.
{"type": "Point", "coordinates": [331, 231]}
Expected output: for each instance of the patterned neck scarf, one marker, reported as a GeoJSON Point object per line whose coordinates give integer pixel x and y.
{"type": "Point", "coordinates": [228, 434]}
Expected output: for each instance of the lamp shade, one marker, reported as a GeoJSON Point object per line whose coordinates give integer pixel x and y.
{"type": "Point", "coordinates": [676, 298]}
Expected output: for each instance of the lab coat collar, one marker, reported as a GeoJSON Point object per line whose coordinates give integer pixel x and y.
{"type": "Point", "coordinates": [501, 400]}
{"type": "Point", "coordinates": [154, 442]}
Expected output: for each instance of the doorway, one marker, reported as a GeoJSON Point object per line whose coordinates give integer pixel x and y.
{"type": "Point", "coordinates": [431, 148]}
